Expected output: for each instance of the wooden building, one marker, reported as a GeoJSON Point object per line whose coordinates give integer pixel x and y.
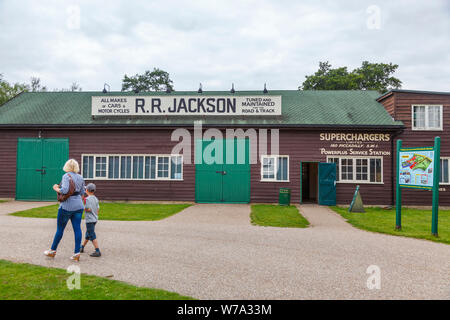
{"type": "Point", "coordinates": [319, 144]}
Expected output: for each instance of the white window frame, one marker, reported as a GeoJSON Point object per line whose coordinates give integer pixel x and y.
{"type": "Point", "coordinates": [427, 128]}
{"type": "Point", "coordinates": [106, 166]}
{"type": "Point", "coordinates": [274, 179]}
{"type": "Point", "coordinates": [93, 165]}
{"type": "Point", "coordinates": [445, 183]}
{"type": "Point", "coordinates": [169, 167]}
{"type": "Point", "coordinates": [339, 180]}
{"type": "Point", "coordinates": [107, 155]}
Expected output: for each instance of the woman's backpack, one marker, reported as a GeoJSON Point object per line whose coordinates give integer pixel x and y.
{"type": "Point", "coordinates": [64, 197]}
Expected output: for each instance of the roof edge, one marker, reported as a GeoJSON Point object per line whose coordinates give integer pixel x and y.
{"type": "Point", "coordinates": [160, 126]}
{"type": "Point", "coordinates": [390, 92]}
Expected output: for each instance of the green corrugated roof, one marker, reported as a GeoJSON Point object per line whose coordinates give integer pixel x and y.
{"type": "Point", "coordinates": [308, 108]}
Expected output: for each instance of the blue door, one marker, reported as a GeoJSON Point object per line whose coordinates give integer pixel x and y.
{"type": "Point", "coordinates": [327, 184]}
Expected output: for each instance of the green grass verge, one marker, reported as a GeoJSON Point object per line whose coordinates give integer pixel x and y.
{"type": "Point", "coordinates": [20, 281]}
{"type": "Point", "coordinates": [268, 215]}
{"type": "Point", "coordinates": [114, 211]}
{"type": "Point", "coordinates": [416, 223]}
{"type": "Point", "coordinates": [2, 201]}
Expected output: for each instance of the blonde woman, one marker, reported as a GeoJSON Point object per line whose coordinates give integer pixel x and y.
{"type": "Point", "coordinates": [71, 209]}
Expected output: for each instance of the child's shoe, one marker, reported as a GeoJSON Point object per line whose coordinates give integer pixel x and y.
{"type": "Point", "coordinates": [95, 254]}
{"type": "Point", "coordinates": [82, 249]}
{"type": "Point", "coordinates": [50, 253]}
{"type": "Point", "coordinates": [75, 257]}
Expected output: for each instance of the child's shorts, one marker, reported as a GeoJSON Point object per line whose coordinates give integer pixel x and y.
{"type": "Point", "coordinates": [90, 231]}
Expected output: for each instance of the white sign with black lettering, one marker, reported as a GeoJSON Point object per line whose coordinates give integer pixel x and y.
{"type": "Point", "coordinates": [186, 105]}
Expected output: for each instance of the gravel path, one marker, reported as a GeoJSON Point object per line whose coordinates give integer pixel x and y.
{"type": "Point", "coordinates": [212, 252]}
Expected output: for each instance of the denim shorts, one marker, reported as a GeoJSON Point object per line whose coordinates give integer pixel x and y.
{"type": "Point", "coordinates": [90, 231]}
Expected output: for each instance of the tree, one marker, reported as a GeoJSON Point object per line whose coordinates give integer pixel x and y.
{"type": "Point", "coordinates": [9, 91]}
{"type": "Point", "coordinates": [36, 86]}
{"type": "Point", "coordinates": [377, 76]}
{"type": "Point", "coordinates": [73, 88]}
{"type": "Point", "coordinates": [156, 80]}
{"type": "Point", "coordinates": [370, 76]}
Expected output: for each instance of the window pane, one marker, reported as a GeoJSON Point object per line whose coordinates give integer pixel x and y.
{"type": "Point", "coordinates": [91, 167]}
{"type": "Point", "coordinates": [150, 167]}
{"type": "Point", "coordinates": [375, 170]}
{"type": "Point", "coordinates": [282, 169]}
{"type": "Point", "coordinates": [361, 169]}
{"type": "Point", "coordinates": [268, 168]}
{"type": "Point", "coordinates": [88, 172]}
{"type": "Point", "coordinates": [113, 167]}
{"type": "Point", "coordinates": [176, 163]}
{"type": "Point", "coordinates": [434, 117]}
{"type": "Point", "coordinates": [163, 167]}
{"type": "Point", "coordinates": [444, 178]}
{"type": "Point", "coordinates": [335, 160]}
{"type": "Point", "coordinates": [419, 116]}
{"type": "Point", "coordinates": [125, 167]}
{"type": "Point", "coordinates": [347, 169]}
{"type": "Point", "coordinates": [138, 167]}
{"type": "Point", "coordinates": [100, 167]}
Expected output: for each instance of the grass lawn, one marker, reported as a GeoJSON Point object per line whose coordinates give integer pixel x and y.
{"type": "Point", "coordinates": [416, 223]}
{"type": "Point", "coordinates": [114, 211]}
{"type": "Point", "coordinates": [20, 281]}
{"type": "Point", "coordinates": [1, 201]}
{"type": "Point", "coordinates": [269, 215]}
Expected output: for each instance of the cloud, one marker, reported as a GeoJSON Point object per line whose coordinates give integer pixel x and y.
{"type": "Point", "coordinates": [217, 43]}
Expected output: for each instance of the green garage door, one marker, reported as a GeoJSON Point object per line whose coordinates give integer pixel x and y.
{"type": "Point", "coordinates": [39, 167]}
{"type": "Point", "coordinates": [224, 172]}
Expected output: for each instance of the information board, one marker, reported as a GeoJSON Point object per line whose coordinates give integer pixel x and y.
{"type": "Point", "coordinates": [416, 167]}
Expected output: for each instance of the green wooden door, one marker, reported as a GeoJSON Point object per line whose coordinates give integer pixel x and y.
{"type": "Point", "coordinates": [208, 181]}
{"type": "Point", "coordinates": [29, 160]}
{"type": "Point", "coordinates": [39, 167]}
{"type": "Point", "coordinates": [55, 153]}
{"type": "Point", "coordinates": [327, 184]}
{"type": "Point", "coordinates": [236, 171]}
{"type": "Point", "coordinates": [224, 172]}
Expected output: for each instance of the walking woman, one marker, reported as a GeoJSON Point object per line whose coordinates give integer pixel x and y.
{"type": "Point", "coordinates": [70, 209]}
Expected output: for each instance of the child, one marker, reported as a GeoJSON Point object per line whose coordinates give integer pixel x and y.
{"type": "Point", "coordinates": [91, 209]}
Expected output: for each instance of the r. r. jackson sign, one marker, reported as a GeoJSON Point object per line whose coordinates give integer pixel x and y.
{"type": "Point", "coordinates": [186, 105]}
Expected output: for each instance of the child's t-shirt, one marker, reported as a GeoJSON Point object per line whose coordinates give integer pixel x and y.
{"type": "Point", "coordinates": [92, 203]}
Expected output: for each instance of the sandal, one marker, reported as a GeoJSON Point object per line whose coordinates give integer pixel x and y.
{"type": "Point", "coordinates": [50, 253]}
{"type": "Point", "coordinates": [75, 257]}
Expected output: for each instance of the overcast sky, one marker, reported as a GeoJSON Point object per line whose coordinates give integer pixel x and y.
{"type": "Point", "coordinates": [217, 43]}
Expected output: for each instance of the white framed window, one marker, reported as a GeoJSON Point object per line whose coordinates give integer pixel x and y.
{"type": "Point", "coordinates": [113, 167]}
{"type": "Point", "coordinates": [336, 161]}
{"type": "Point", "coordinates": [88, 167]}
{"type": "Point", "coordinates": [138, 167]}
{"type": "Point", "coordinates": [163, 167]}
{"type": "Point", "coordinates": [176, 167]}
{"type": "Point", "coordinates": [132, 167]}
{"type": "Point", "coordinates": [445, 171]}
{"type": "Point", "coordinates": [426, 117]}
{"type": "Point", "coordinates": [100, 167]}
{"type": "Point", "coordinates": [125, 167]}
{"type": "Point", "coordinates": [275, 168]}
{"type": "Point", "coordinates": [358, 169]}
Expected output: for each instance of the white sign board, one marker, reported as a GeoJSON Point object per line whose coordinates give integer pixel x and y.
{"type": "Point", "coordinates": [186, 105]}
{"type": "Point", "coordinates": [416, 168]}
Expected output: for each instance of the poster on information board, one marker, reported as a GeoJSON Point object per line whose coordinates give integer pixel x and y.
{"type": "Point", "coordinates": [416, 167]}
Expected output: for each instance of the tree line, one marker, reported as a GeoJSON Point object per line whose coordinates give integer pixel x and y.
{"type": "Point", "coordinates": [370, 76]}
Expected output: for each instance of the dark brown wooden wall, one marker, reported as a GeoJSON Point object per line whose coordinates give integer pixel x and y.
{"type": "Point", "coordinates": [299, 145]}
{"type": "Point", "coordinates": [412, 138]}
